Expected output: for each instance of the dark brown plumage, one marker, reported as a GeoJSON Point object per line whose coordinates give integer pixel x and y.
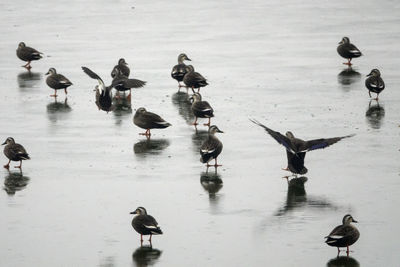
{"type": "Point", "coordinates": [14, 152]}
{"type": "Point", "coordinates": [201, 109]}
{"type": "Point", "coordinates": [148, 120]}
{"type": "Point", "coordinates": [145, 224]}
{"type": "Point", "coordinates": [374, 83]}
{"type": "Point", "coordinates": [179, 71]}
{"type": "Point", "coordinates": [343, 235]}
{"type": "Point", "coordinates": [348, 51]}
{"type": "Point", "coordinates": [123, 83]}
{"type": "Point", "coordinates": [57, 81]}
{"type": "Point", "coordinates": [121, 67]}
{"type": "Point", "coordinates": [212, 147]}
{"type": "Point", "coordinates": [194, 79]}
{"type": "Point", "coordinates": [296, 148]}
{"type": "Point", "coordinates": [26, 53]}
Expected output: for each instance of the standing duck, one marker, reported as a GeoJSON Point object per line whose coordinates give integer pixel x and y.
{"type": "Point", "coordinates": [179, 71]}
{"type": "Point", "coordinates": [57, 81]}
{"type": "Point", "coordinates": [374, 83]}
{"type": "Point", "coordinates": [148, 120]}
{"type": "Point", "coordinates": [122, 67]}
{"type": "Point", "coordinates": [26, 53]}
{"type": "Point", "coordinates": [194, 79]}
{"type": "Point", "coordinates": [296, 148]}
{"type": "Point", "coordinates": [103, 93]}
{"type": "Point", "coordinates": [348, 51]}
{"type": "Point", "coordinates": [212, 147]}
{"type": "Point", "coordinates": [201, 109]}
{"type": "Point", "coordinates": [343, 235]}
{"type": "Point", "coordinates": [14, 152]}
{"type": "Point", "coordinates": [145, 224]}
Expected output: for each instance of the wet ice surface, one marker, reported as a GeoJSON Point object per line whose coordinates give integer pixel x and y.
{"type": "Point", "coordinates": [275, 62]}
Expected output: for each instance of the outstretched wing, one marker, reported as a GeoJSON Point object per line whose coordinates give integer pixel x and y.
{"type": "Point", "coordinates": [322, 143]}
{"type": "Point", "coordinates": [134, 83]}
{"type": "Point", "coordinates": [280, 138]}
{"type": "Point", "coordinates": [93, 75]}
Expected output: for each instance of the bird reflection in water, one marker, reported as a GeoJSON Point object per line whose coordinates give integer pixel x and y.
{"type": "Point", "coordinates": [15, 181]}
{"type": "Point", "coordinates": [198, 139]}
{"type": "Point", "coordinates": [150, 146]}
{"type": "Point", "coordinates": [343, 261]}
{"type": "Point", "coordinates": [28, 79]}
{"type": "Point", "coordinates": [145, 256]}
{"type": "Point", "coordinates": [212, 183]}
{"type": "Point", "coordinates": [375, 114]}
{"type": "Point", "coordinates": [182, 102]}
{"type": "Point", "coordinates": [57, 109]}
{"type": "Point", "coordinates": [122, 107]}
{"type": "Point", "coordinates": [348, 76]}
{"type": "Point", "coordinates": [297, 197]}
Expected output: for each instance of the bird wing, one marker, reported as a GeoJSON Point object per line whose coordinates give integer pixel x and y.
{"type": "Point", "coordinates": [18, 150]}
{"type": "Point", "coordinates": [133, 83]}
{"type": "Point", "coordinates": [62, 79]}
{"type": "Point", "coordinates": [209, 146]}
{"type": "Point", "coordinates": [154, 118]}
{"type": "Point", "coordinates": [203, 106]}
{"type": "Point", "coordinates": [321, 143]}
{"type": "Point", "coordinates": [354, 50]}
{"type": "Point", "coordinates": [280, 138]}
{"type": "Point", "coordinates": [93, 75]}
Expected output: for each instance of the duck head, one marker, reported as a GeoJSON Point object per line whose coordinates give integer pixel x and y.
{"type": "Point", "coordinates": [347, 219]}
{"type": "Point", "coordinates": [195, 97]}
{"type": "Point", "coordinates": [345, 40]}
{"type": "Point", "coordinates": [21, 44]}
{"type": "Point", "coordinates": [9, 141]}
{"type": "Point", "coordinates": [140, 110]}
{"type": "Point", "coordinates": [289, 135]}
{"type": "Point", "coordinates": [214, 129]}
{"type": "Point", "coordinates": [51, 71]}
{"type": "Point", "coordinates": [122, 61]}
{"type": "Point", "coordinates": [374, 72]}
{"type": "Point", "coordinates": [139, 211]}
{"type": "Point", "coordinates": [182, 57]}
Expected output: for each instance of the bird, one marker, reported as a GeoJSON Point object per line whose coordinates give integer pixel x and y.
{"type": "Point", "coordinates": [14, 152]}
{"type": "Point", "coordinates": [145, 224]}
{"type": "Point", "coordinates": [26, 53]}
{"type": "Point", "coordinates": [343, 235]}
{"type": "Point", "coordinates": [348, 51]}
{"type": "Point", "coordinates": [212, 147]}
{"type": "Point", "coordinates": [148, 120]}
{"type": "Point", "coordinates": [122, 83]}
{"type": "Point", "coordinates": [122, 66]}
{"type": "Point", "coordinates": [201, 109]}
{"type": "Point", "coordinates": [194, 79]}
{"type": "Point", "coordinates": [179, 71]}
{"type": "Point", "coordinates": [374, 83]}
{"type": "Point", "coordinates": [57, 81]}
{"type": "Point", "coordinates": [296, 148]}
{"type": "Point", "coordinates": [103, 93]}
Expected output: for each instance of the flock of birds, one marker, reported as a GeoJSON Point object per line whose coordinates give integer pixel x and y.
{"type": "Point", "coordinates": [343, 235]}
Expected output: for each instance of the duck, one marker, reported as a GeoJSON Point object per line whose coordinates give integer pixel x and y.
{"type": "Point", "coordinates": [57, 81]}
{"type": "Point", "coordinates": [348, 51]}
{"type": "Point", "coordinates": [179, 71]}
{"type": "Point", "coordinates": [28, 54]}
{"type": "Point", "coordinates": [343, 235]}
{"type": "Point", "coordinates": [374, 83]}
{"type": "Point", "coordinates": [122, 66]}
{"type": "Point", "coordinates": [123, 83]}
{"type": "Point", "coordinates": [148, 120]}
{"type": "Point", "coordinates": [194, 79]}
{"type": "Point", "coordinates": [296, 148]}
{"type": "Point", "coordinates": [145, 224]}
{"type": "Point", "coordinates": [212, 147]}
{"type": "Point", "coordinates": [201, 109]}
{"type": "Point", "coordinates": [103, 93]}
{"type": "Point", "coordinates": [14, 152]}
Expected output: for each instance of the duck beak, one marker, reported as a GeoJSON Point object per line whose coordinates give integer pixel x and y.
{"type": "Point", "coordinates": [4, 143]}
{"type": "Point", "coordinates": [369, 74]}
{"type": "Point", "coordinates": [354, 221]}
{"type": "Point", "coordinates": [219, 131]}
{"type": "Point", "coordinates": [47, 73]}
{"type": "Point", "coordinates": [133, 212]}
{"type": "Point", "coordinates": [188, 59]}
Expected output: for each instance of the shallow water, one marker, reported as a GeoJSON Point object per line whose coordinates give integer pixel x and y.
{"type": "Point", "coordinates": [275, 61]}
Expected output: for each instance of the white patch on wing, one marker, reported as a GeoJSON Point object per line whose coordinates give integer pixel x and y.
{"type": "Point", "coordinates": [373, 85]}
{"type": "Point", "coordinates": [354, 51]}
{"type": "Point", "coordinates": [162, 122]}
{"type": "Point", "coordinates": [207, 109]}
{"type": "Point", "coordinates": [206, 151]}
{"type": "Point", "coordinates": [336, 236]}
{"type": "Point", "coordinates": [150, 226]}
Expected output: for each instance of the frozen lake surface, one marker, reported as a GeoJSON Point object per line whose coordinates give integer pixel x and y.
{"type": "Point", "coordinates": [275, 61]}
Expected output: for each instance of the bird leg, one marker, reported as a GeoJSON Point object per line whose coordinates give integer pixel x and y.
{"type": "Point", "coordinates": [377, 97]}
{"type": "Point", "coordinates": [286, 169]}
{"type": "Point", "coordinates": [150, 238]}
{"type": "Point", "coordinates": [55, 93]}
{"type": "Point", "coordinates": [147, 133]}
{"type": "Point", "coordinates": [208, 124]}
{"type": "Point", "coordinates": [7, 166]}
{"type": "Point", "coordinates": [216, 164]}
{"type": "Point", "coordinates": [65, 90]}
{"type": "Point", "coordinates": [141, 240]}
{"type": "Point", "coordinates": [369, 92]}
{"type": "Point", "coordinates": [348, 63]}
{"type": "Point", "coordinates": [338, 252]}
{"type": "Point", "coordinates": [195, 122]}
{"type": "Point", "coordinates": [20, 165]}
{"type": "Point", "coordinates": [27, 65]}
